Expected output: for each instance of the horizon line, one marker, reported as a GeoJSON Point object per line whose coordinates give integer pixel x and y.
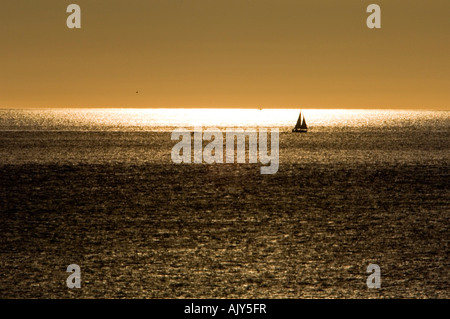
{"type": "Point", "coordinates": [228, 107]}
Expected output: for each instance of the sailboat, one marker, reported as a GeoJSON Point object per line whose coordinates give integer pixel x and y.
{"type": "Point", "coordinates": [300, 127]}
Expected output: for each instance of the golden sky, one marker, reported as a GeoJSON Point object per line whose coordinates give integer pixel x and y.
{"type": "Point", "coordinates": [225, 53]}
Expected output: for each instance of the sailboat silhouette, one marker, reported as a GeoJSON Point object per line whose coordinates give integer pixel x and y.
{"type": "Point", "coordinates": [300, 127]}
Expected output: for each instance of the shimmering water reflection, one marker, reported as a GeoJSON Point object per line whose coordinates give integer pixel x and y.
{"type": "Point", "coordinates": [165, 119]}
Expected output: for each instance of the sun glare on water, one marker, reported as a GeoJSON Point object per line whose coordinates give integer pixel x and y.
{"type": "Point", "coordinates": [167, 119]}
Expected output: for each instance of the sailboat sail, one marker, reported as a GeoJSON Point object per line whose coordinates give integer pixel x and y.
{"type": "Point", "coordinates": [301, 124]}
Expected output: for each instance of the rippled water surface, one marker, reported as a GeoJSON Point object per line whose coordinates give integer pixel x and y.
{"type": "Point", "coordinates": [98, 188]}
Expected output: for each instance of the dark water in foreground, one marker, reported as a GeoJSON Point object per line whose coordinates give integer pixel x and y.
{"type": "Point", "coordinates": [142, 227]}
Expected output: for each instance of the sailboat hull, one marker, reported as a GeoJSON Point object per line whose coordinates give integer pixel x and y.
{"type": "Point", "coordinates": [299, 130]}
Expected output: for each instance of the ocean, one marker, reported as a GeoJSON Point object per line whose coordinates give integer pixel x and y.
{"type": "Point", "coordinates": [98, 188]}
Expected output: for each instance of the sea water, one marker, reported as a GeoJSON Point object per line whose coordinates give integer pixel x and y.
{"type": "Point", "coordinates": [98, 188]}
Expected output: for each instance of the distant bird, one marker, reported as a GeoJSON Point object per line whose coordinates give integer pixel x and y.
{"type": "Point", "coordinates": [137, 91]}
